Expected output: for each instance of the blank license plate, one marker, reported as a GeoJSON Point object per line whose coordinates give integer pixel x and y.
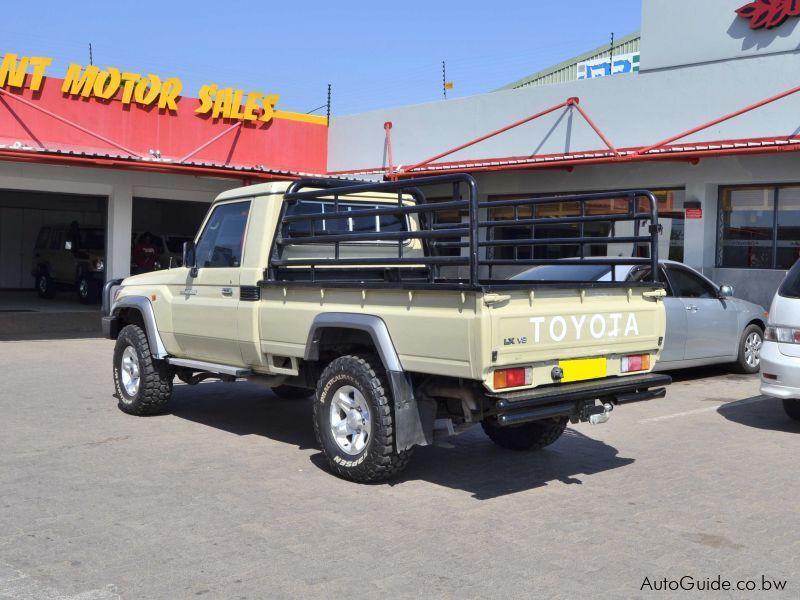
{"type": "Point", "coordinates": [582, 369]}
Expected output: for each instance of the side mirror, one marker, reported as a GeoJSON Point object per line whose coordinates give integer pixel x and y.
{"type": "Point", "coordinates": [190, 257]}
{"type": "Point", "coordinates": [725, 291]}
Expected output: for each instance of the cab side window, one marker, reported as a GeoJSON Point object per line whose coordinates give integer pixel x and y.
{"type": "Point", "coordinates": [220, 244]}
{"type": "Point", "coordinates": [689, 285]}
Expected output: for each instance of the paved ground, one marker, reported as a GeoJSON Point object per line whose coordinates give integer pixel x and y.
{"type": "Point", "coordinates": [227, 497]}
{"type": "Point", "coordinates": [26, 316]}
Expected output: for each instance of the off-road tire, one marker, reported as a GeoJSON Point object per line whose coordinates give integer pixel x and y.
{"type": "Point", "coordinates": [88, 289]}
{"type": "Point", "coordinates": [792, 408]}
{"type": "Point", "coordinates": [741, 360]}
{"type": "Point", "coordinates": [155, 376]}
{"type": "Point", "coordinates": [287, 392]}
{"type": "Point", "coordinates": [378, 460]}
{"type": "Point", "coordinates": [45, 286]}
{"type": "Point", "coordinates": [528, 436]}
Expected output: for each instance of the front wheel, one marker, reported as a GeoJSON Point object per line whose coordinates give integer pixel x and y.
{"type": "Point", "coordinates": [353, 420]}
{"type": "Point", "coordinates": [749, 359]}
{"type": "Point", "coordinates": [143, 385]}
{"type": "Point", "coordinates": [528, 436]}
{"type": "Point", "coordinates": [792, 408]}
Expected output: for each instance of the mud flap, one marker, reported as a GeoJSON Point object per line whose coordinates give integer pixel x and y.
{"type": "Point", "coordinates": [413, 420]}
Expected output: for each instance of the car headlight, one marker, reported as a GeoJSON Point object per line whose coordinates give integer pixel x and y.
{"type": "Point", "coordinates": [98, 264]}
{"type": "Point", "coordinates": [784, 335]}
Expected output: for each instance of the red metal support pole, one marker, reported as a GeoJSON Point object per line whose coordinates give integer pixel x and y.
{"type": "Point", "coordinates": [71, 124]}
{"type": "Point", "coordinates": [428, 161]}
{"type": "Point", "coordinates": [727, 117]}
{"type": "Point", "coordinates": [387, 127]}
{"type": "Point", "coordinates": [595, 127]}
{"type": "Point", "coordinates": [209, 142]}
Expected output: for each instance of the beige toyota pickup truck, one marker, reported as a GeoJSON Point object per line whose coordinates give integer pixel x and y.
{"type": "Point", "coordinates": [392, 304]}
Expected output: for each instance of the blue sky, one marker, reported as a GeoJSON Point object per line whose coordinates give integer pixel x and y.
{"type": "Point", "coordinates": [375, 54]}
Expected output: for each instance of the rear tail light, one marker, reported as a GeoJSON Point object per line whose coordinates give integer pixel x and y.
{"type": "Point", "coordinates": [635, 362]}
{"type": "Point", "coordinates": [516, 377]}
{"type": "Point", "coordinates": [784, 335]}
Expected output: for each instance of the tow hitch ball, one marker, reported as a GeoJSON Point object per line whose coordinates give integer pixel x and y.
{"type": "Point", "coordinates": [600, 414]}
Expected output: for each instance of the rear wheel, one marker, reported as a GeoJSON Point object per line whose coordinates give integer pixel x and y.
{"type": "Point", "coordinates": [45, 286]}
{"type": "Point", "coordinates": [792, 408]}
{"type": "Point", "coordinates": [144, 385]}
{"type": "Point", "coordinates": [353, 420]}
{"type": "Point", "coordinates": [749, 358]}
{"type": "Point", "coordinates": [528, 436]}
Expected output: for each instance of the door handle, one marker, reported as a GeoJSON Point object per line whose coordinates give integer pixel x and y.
{"type": "Point", "coordinates": [227, 292]}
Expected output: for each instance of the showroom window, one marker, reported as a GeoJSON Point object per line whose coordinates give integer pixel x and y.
{"type": "Point", "coordinates": [759, 227]}
{"type": "Point", "coordinates": [670, 204]}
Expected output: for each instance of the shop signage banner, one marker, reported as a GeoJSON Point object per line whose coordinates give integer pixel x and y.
{"type": "Point", "coordinates": [602, 67]}
{"type": "Point", "coordinates": [766, 14]}
{"type": "Point", "coordinates": [142, 90]}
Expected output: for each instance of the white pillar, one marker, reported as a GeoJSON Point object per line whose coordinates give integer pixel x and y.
{"type": "Point", "coordinates": [693, 229]}
{"type": "Point", "coordinates": [120, 223]}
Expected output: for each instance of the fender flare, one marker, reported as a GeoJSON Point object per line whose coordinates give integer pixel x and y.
{"type": "Point", "coordinates": [413, 421]}
{"type": "Point", "coordinates": [145, 308]}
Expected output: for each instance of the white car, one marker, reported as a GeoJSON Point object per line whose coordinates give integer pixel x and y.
{"type": "Point", "coordinates": [780, 354]}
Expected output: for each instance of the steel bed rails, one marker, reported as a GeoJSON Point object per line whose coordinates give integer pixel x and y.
{"type": "Point", "coordinates": [479, 231]}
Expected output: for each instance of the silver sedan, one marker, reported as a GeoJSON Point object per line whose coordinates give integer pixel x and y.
{"type": "Point", "coordinates": [705, 323]}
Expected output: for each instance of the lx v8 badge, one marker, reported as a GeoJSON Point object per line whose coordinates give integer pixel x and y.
{"type": "Point", "coordinates": [514, 341]}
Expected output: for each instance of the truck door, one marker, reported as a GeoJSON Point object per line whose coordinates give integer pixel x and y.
{"type": "Point", "coordinates": [204, 312]}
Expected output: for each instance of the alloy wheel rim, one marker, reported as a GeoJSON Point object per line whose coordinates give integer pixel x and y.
{"type": "Point", "coordinates": [42, 283]}
{"type": "Point", "coordinates": [83, 287]}
{"type": "Point", "coordinates": [752, 350]}
{"type": "Point", "coordinates": [129, 371]}
{"type": "Point", "coordinates": [350, 420]}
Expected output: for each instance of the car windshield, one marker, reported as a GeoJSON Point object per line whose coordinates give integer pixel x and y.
{"type": "Point", "coordinates": [790, 287]}
{"type": "Point", "coordinates": [557, 273]}
{"type": "Point", "coordinates": [175, 242]}
{"type": "Point", "coordinates": [92, 239]}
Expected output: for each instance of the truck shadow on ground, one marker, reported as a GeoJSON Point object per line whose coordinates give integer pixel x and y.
{"type": "Point", "coordinates": [761, 412]}
{"type": "Point", "coordinates": [469, 462]}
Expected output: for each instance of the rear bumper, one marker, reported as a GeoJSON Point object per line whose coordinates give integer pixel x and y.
{"type": "Point", "coordinates": [577, 400]}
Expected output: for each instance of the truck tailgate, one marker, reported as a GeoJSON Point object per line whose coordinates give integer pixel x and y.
{"type": "Point", "coordinates": [585, 332]}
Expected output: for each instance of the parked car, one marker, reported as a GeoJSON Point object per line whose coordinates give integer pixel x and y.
{"type": "Point", "coordinates": [780, 366]}
{"type": "Point", "coordinates": [705, 323]}
{"type": "Point", "coordinates": [70, 255]}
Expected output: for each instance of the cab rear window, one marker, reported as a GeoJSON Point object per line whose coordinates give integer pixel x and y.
{"type": "Point", "coordinates": [790, 288]}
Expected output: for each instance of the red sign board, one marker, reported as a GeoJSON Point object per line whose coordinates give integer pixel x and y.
{"type": "Point", "coordinates": [694, 213]}
{"type": "Point", "coordinates": [765, 14]}
{"type": "Point", "coordinates": [47, 118]}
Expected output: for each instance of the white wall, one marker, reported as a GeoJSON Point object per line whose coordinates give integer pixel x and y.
{"type": "Point", "coordinates": [682, 32]}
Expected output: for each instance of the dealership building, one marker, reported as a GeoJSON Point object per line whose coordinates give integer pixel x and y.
{"type": "Point", "coordinates": [699, 107]}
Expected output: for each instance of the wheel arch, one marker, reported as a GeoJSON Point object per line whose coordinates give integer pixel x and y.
{"type": "Point", "coordinates": [413, 421]}
{"type": "Point", "coordinates": [137, 310]}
